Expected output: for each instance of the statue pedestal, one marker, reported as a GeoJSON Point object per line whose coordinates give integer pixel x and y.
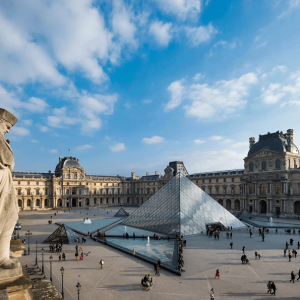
{"type": "Point", "coordinates": [10, 274]}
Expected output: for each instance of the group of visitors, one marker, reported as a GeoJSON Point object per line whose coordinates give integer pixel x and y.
{"type": "Point", "coordinates": [62, 257]}
{"type": "Point", "coordinates": [147, 281]}
{"type": "Point", "coordinates": [271, 287]}
{"type": "Point", "coordinates": [56, 247]}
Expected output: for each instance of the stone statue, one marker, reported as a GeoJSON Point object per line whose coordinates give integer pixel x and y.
{"type": "Point", "coordinates": [8, 203]}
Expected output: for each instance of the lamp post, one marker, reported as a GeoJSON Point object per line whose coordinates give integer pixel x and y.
{"type": "Point", "coordinates": [29, 235]}
{"type": "Point", "coordinates": [36, 245]}
{"type": "Point", "coordinates": [51, 257]}
{"type": "Point", "coordinates": [78, 286]}
{"type": "Point", "coordinates": [43, 271]}
{"type": "Point", "coordinates": [62, 281]}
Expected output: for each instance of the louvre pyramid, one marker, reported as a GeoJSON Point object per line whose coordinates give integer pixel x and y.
{"type": "Point", "coordinates": [62, 234]}
{"type": "Point", "coordinates": [121, 213]}
{"type": "Point", "coordinates": [180, 207]}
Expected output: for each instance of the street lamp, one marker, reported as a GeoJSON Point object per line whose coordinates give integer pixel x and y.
{"type": "Point", "coordinates": [51, 257]}
{"type": "Point", "coordinates": [78, 286]}
{"type": "Point", "coordinates": [62, 281]}
{"type": "Point", "coordinates": [29, 235]}
{"type": "Point", "coordinates": [43, 271]}
{"type": "Point", "coordinates": [36, 245]}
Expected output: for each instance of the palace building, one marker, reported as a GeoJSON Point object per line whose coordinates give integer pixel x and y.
{"type": "Point", "coordinates": [269, 184]}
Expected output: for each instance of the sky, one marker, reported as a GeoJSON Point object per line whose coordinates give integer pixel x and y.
{"type": "Point", "coordinates": [128, 86]}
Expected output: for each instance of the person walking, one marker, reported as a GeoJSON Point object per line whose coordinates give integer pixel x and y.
{"type": "Point", "coordinates": [255, 253]}
{"type": "Point", "coordinates": [286, 245]}
{"type": "Point", "coordinates": [243, 249]}
{"type": "Point", "coordinates": [231, 244]}
{"type": "Point", "coordinates": [59, 257]}
{"type": "Point", "coordinates": [133, 252]}
{"type": "Point", "coordinates": [269, 284]}
{"type": "Point", "coordinates": [293, 277]}
{"type": "Point", "coordinates": [212, 294]}
{"type": "Point", "coordinates": [298, 275]}
{"type": "Point", "coordinates": [250, 234]}
{"type": "Point", "coordinates": [290, 256]}
{"type": "Point", "coordinates": [64, 256]}
{"type": "Point", "coordinates": [101, 263]}
{"type": "Point", "coordinates": [295, 252]}
{"type": "Point", "coordinates": [284, 252]}
{"type": "Point", "coordinates": [291, 242]}
{"type": "Point", "coordinates": [231, 235]}
{"type": "Point", "coordinates": [273, 287]}
{"type": "Point", "coordinates": [217, 274]}
{"type": "Point", "coordinates": [156, 269]}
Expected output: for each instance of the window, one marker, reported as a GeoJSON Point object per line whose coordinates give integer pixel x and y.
{"type": "Point", "coordinates": [67, 191]}
{"type": "Point", "coordinates": [19, 192]}
{"type": "Point", "coordinates": [86, 191]}
{"type": "Point", "coordinates": [251, 167]}
{"type": "Point", "coordinates": [232, 179]}
{"type": "Point", "coordinates": [196, 181]}
{"type": "Point", "coordinates": [264, 165]}
{"type": "Point", "coordinates": [37, 183]}
{"type": "Point", "coordinates": [224, 179]}
{"type": "Point", "coordinates": [79, 191]}
{"type": "Point", "coordinates": [232, 191]}
{"type": "Point", "coordinates": [209, 180]}
{"type": "Point", "coordinates": [217, 180]}
{"type": "Point", "coordinates": [241, 190]}
{"type": "Point", "coordinates": [209, 190]}
{"type": "Point", "coordinates": [95, 200]}
{"type": "Point", "coordinates": [19, 182]}
{"type": "Point", "coordinates": [277, 189]}
{"type": "Point", "coordinates": [217, 190]}
{"type": "Point", "coordinates": [28, 182]}
{"type": "Point", "coordinates": [37, 191]}
{"type": "Point", "coordinates": [262, 189]}
{"type": "Point", "coordinates": [224, 190]}
{"type": "Point", "coordinates": [94, 192]}
{"type": "Point", "coordinates": [250, 189]}
{"type": "Point", "coordinates": [101, 200]}
{"type": "Point", "coordinates": [46, 192]}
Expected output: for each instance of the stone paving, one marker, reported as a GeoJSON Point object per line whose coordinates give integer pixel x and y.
{"type": "Point", "coordinates": [121, 274]}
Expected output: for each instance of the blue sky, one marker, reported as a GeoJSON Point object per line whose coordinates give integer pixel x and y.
{"type": "Point", "coordinates": [131, 85]}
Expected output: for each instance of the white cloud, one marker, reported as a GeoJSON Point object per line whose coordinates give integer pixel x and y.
{"type": "Point", "coordinates": [43, 128]}
{"type": "Point", "coordinates": [198, 76]}
{"type": "Point", "coordinates": [198, 141]}
{"type": "Point", "coordinates": [21, 131]}
{"type": "Point", "coordinates": [261, 45]}
{"type": "Point", "coordinates": [272, 94]}
{"type": "Point", "coordinates": [84, 147]}
{"type": "Point", "coordinates": [264, 76]}
{"type": "Point", "coordinates": [225, 44]}
{"type": "Point", "coordinates": [281, 69]}
{"type": "Point", "coordinates": [201, 34]}
{"type": "Point", "coordinates": [117, 147]}
{"type": "Point", "coordinates": [147, 101]}
{"type": "Point", "coordinates": [216, 137]}
{"type": "Point", "coordinates": [36, 105]}
{"type": "Point", "coordinates": [257, 38]}
{"type": "Point", "coordinates": [227, 141]}
{"type": "Point", "coordinates": [34, 141]}
{"type": "Point", "coordinates": [27, 122]}
{"type": "Point", "coordinates": [176, 90]}
{"type": "Point", "coordinates": [107, 138]}
{"type": "Point", "coordinates": [183, 9]}
{"type": "Point", "coordinates": [240, 144]}
{"type": "Point", "coordinates": [219, 100]}
{"type": "Point", "coordinates": [161, 32]}
{"type": "Point", "coordinates": [53, 151]}
{"type": "Point", "coordinates": [153, 140]}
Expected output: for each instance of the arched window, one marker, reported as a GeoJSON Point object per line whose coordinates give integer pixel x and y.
{"type": "Point", "coordinates": [95, 200]}
{"type": "Point", "coordinates": [119, 200]}
{"type": "Point", "coordinates": [228, 204]}
{"type": "Point", "coordinates": [277, 164]}
{"type": "Point", "coordinates": [128, 200]}
{"type": "Point", "coordinates": [297, 207]}
{"type": "Point", "coordinates": [37, 202]}
{"type": "Point", "coordinates": [277, 189]}
{"type": "Point", "coordinates": [264, 165]}
{"type": "Point", "coordinates": [46, 202]}
{"type": "Point", "coordinates": [250, 189]}
{"type": "Point", "coordinates": [20, 203]}
{"type": "Point", "coordinates": [251, 167]}
{"type": "Point", "coordinates": [220, 202]}
{"type": "Point", "coordinates": [262, 189]}
{"type": "Point", "coordinates": [28, 202]}
{"type": "Point", "coordinates": [113, 200]}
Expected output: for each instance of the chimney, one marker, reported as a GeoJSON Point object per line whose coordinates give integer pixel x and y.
{"type": "Point", "coordinates": [78, 159]}
{"type": "Point", "coordinates": [290, 140]}
{"type": "Point", "coordinates": [60, 159]}
{"type": "Point", "coordinates": [156, 172]}
{"type": "Point", "coordinates": [251, 142]}
{"type": "Point", "coordinates": [133, 175]}
{"type": "Point", "coordinates": [147, 174]}
{"type": "Point", "coordinates": [49, 171]}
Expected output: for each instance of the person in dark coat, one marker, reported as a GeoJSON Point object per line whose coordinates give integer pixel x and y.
{"type": "Point", "coordinates": [231, 244]}
{"type": "Point", "coordinates": [243, 249]}
{"type": "Point", "coordinates": [298, 275]}
{"type": "Point", "coordinates": [290, 256]}
{"type": "Point", "coordinates": [273, 287]}
{"type": "Point", "coordinates": [293, 277]}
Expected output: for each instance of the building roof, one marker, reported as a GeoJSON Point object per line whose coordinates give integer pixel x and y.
{"type": "Point", "coordinates": [68, 162]}
{"type": "Point", "coordinates": [276, 141]}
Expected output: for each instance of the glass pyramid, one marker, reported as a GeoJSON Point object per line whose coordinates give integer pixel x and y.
{"type": "Point", "coordinates": [62, 234]}
{"type": "Point", "coordinates": [181, 207]}
{"type": "Point", "coordinates": [121, 213]}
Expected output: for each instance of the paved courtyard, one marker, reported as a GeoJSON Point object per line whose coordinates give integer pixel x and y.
{"type": "Point", "coordinates": [121, 274]}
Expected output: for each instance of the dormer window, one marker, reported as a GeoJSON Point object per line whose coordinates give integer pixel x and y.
{"type": "Point", "coordinates": [277, 164]}
{"type": "Point", "coordinates": [264, 165]}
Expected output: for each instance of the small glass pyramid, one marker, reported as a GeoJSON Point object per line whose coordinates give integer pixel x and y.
{"type": "Point", "coordinates": [121, 213]}
{"type": "Point", "coordinates": [62, 234]}
{"type": "Point", "coordinates": [181, 207]}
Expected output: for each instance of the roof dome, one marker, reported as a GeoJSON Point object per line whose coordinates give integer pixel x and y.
{"type": "Point", "coordinates": [272, 141]}
{"type": "Point", "coordinates": [68, 162]}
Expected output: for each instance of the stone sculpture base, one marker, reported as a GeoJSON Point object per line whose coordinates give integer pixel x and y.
{"type": "Point", "coordinates": [10, 274]}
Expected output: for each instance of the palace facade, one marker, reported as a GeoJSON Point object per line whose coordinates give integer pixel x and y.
{"type": "Point", "coordinates": [269, 184]}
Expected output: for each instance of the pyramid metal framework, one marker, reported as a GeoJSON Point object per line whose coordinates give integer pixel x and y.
{"type": "Point", "coordinates": [62, 234]}
{"type": "Point", "coordinates": [181, 207]}
{"type": "Point", "coordinates": [121, 213]}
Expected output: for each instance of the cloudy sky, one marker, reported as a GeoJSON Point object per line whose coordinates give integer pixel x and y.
{"type": "Point", "coordinates": [131, 85]}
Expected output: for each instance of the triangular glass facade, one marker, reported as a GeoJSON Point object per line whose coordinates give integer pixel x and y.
{"type": "Point", "coordinates": [121, 213]}
{"type": "Point", "coordinates": [181, 207]}
{"type": "Point", "coordinates": [62, 234]}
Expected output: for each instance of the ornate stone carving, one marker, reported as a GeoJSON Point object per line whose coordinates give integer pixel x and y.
{"type": "Point", "coordinates": [8, 202]}
{"type": "Point", "coordinates": [168, 172]}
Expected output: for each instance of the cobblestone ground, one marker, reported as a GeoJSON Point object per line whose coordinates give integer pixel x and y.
{"type": "Point", "coordinates": [121, 274]}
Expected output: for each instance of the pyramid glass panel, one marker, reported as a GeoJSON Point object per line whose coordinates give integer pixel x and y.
{"type": "Point", "coordinates": [181, 207]}
{"type": "Point", "coordinates": [62, 234]}
{"type": "Point", "coordinates": [121, 213]}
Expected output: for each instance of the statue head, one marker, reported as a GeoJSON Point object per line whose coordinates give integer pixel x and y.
{"type": "Point", "coordinates": [7, 120]}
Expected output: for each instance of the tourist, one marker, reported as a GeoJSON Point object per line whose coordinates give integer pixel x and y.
{"type": "Point", "coordinates": [290, 256]}
{"type": "Point", "coordinates": [243, 249]}
{"type": "Point", "coordinates": [262, 237]}
{"type": "Point", "coordinates": [80, 247]}
{"type": "Point", "coordinates": [59, 257]}
{"type": "Point", "coordinates": [276, 231]}
{"type": "Point", "coordinates": [259, 256]}
{"type": "Point", "coordinates": [287, 245]}
{"type": "Point", "coordinates": [133, 252]}
{"type": "Point", "coordinates": [284, 252]}
{"type": "Point", "coordinates": [269, 286]}
{"type": "Point", "coordinates": [250, 233]}
{"type": "Point", "coordinates": [291, 242]}
{"type": "Point", "coordinates": [81, 256]}
{"type": "Point", "coordinates": [293, 277]}
{"type": "Point", "coordinates": [212, 294]}
{"type": "Point", "coordinates": [295, 252]}
{"type": "Point", "coordinates": [273, 287]}
{"type": "Point", "coordinates": [64, 256]}
{"type": "Point", "coordinates": [231, 234]}
{"type": "Point", "coordinates": [217, 273]}
{"type": "Point", "coordinates": [101, 263]}
{"type": "Point", "coordinates": [298, 275]}
{"type": "Point", "coordinates": [156, 269]}
{"type": "Point", "coordinates": [255, 253]}
{"type": "Point", "coordinates": [231, 244]}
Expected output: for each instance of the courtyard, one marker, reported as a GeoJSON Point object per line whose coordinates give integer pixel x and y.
{"type": "Point", "coordinates": [121, 274]}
